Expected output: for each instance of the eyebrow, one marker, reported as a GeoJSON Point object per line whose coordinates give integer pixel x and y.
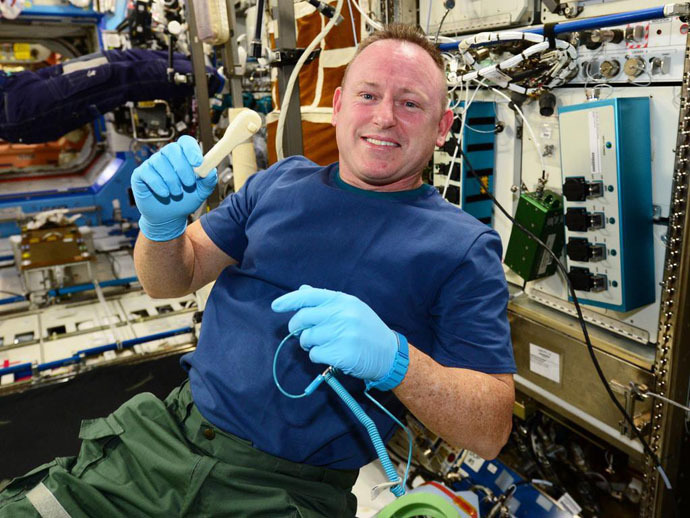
{"type": "Point", "coordinates": [404, 90]}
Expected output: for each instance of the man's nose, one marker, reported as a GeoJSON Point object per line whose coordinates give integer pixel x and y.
{"type": "Point", "coordinates": [384, 115]}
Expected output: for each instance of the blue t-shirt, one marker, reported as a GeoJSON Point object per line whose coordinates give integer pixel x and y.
{"type": "Point", "coordinates": [429, 270]}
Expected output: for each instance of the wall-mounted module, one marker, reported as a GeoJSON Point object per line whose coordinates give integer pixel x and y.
{"type": "Point", "coordinates": [607, 198]}
{"type": "Point", "coordinates": [541, 214]}
{"type": "Point", "coordinates": [478, 143]}
{"type": "Point", "coordinates": [475, 16]}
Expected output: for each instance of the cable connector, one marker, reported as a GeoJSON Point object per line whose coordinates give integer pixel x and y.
{"type": "Point", "coordinates": [325, 9]}
{"type": "Point", "coordinates": [379, 488]}
{"type": "Point", "coordinates": [677, 9]}
{"type": "Point", "coordinates": [318, 380]}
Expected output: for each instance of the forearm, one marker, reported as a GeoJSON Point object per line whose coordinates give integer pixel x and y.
{"type": "Point", "coordinates": [468, 409]}
{"type": "Point", "coordinates": [165, 268]}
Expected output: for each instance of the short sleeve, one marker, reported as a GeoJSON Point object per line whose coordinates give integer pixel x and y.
{"type": "Point", "coordinates": [470, 318]}
{"type": "Point", "coordinates": [226, 224]}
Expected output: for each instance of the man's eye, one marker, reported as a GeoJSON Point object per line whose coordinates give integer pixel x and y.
{"type": "Point", "coordinates": [410, 104]}
{"type": "Point", "coordinates": [367, 97]}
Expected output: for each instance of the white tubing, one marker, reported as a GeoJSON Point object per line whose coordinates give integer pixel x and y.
{"type": "Point", "coordinates": [295, 74]}
{"type": "Point", "coordinates": [242, 127]}
{"type": "Point", "coordinates": [243, 158]}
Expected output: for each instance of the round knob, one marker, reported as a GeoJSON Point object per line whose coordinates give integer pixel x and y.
{"type": "Point", "coordinates": [610, 68]}
{"type": "Point", "coordinates": [174, 27]}
{"type": "Point", "coordinates": [634, 66]}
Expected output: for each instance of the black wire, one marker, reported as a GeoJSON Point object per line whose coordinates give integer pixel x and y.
{"type": "Point", "coordinates": [438, 31]}
{"type": "Point", "coordinates": [580, 317]}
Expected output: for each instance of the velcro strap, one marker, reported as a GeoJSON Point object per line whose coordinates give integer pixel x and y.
{"type": "Point", "coordinates": [45, 502]}
{"type": "Point", "coordinates": [550, 34]}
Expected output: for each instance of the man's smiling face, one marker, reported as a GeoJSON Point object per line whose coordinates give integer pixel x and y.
{"type": "Point", "coordinates": [388, 116]}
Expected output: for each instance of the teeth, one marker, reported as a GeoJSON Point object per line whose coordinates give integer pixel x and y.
{"type": "Point", "coordinates": [380, 142]}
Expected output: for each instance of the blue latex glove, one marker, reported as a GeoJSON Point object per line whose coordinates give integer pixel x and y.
{"type": "Point", "coordinates": [342, 331]}
{"type": "Point", "coordinates": [167, 190]}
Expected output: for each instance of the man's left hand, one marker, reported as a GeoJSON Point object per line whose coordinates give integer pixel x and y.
{"type": "Point", "coordinates": [340, 330]}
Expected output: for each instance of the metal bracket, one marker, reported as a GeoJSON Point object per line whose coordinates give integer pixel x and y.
{"type": "Point", "coordinates": [567, 9]}
{"type": "Point", "coordinates": [632, 393]}
{"type": "Point", "coordinates": [285, 57]}
{"type": "Point", "coordinates": [552, 5]}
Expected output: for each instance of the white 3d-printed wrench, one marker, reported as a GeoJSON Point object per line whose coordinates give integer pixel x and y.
{"type": "Point", "coordinates": [242, 127]}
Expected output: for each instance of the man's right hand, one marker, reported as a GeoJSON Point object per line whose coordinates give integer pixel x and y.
{"type": "Point", "coordinates": [167, 190]}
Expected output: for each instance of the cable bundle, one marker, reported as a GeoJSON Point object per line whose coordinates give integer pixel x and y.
{"type": "Point", "coordinates": [542, 63]}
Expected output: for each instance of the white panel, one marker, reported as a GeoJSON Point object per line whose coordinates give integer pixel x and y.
{"type": "Point", "coordinates": [475, 15]}
{"type": "Point", "coordinates": [585, 131]}
{"type": "Point", "coordinates": [640, 324]}
{"type": "Point", "coordinates": [12, 327]}
{"type": "Point", "coordinates": [663, 39]}
{"type": "Point", "coordinates": [26, 354]}
{"type": "Point", "coordinates": [598, 8]}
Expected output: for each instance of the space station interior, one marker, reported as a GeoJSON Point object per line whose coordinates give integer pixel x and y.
{"type": "Point", "coordinates": [570, 138]}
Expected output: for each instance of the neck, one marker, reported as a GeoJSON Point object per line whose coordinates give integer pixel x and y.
{"type": "Point", "coordinates": [403, 184]}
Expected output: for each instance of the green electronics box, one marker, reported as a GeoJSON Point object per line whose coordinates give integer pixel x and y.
{"type": "Point", "coordinates": [542, 214]}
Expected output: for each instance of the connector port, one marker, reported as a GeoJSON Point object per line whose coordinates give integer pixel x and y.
{"type": "Point", "coordinates": [584, 280]}
{"type": "Point", "coordinates": [597, 220]}
{"type": "Point", "coordinates": [596, 189]}
{"type": "Point", "coordinates": [576, 188]}
{"type": "Point", "coordinates": [580, 249]}
{"type": "Point", "coordinates": [579, 220]}
{"type": "Point", "coordinates": [597, 252]}
{"type": "Point", "coordinates": [576, 220]}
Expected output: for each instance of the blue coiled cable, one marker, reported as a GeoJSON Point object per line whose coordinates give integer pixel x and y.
{"type": "Point", "coordinates": [376, 440]}
{"type": "Point", "coordinates": [329, 377]}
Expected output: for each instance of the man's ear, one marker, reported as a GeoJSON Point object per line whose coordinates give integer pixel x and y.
{"type": "Point", "coordinates": [444, 126]}
{"type": "Point", "coordinates": [337, 99]}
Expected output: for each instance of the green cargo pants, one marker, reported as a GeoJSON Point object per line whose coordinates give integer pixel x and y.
{"type": "Point", "coordinates": [153, 458]}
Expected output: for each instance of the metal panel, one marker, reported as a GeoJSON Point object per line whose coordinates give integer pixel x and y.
{"type": "Point", "coordinates": [591, 9]}
{"type": "Point", "coordinates": [231, 60]}
{"type": "Point", "coordinates": [608, 147]}
{"type": "Point", "coordinates": [672, 365]}
{"type": "Point", "coordinates": [575, 391]}
{"type": "Point", "coordinates": [286, 38]}
{"type": "Point", "coordinates": [475, 16]}
{"type": "Point", "coordinates": [200, 83]}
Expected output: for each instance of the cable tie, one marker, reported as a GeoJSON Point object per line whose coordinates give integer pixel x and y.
{"type": "Point", "coordinates": [550, 34]}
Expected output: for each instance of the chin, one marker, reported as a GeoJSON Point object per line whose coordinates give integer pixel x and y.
{"type": "Point", "coordinates": [379, 177]}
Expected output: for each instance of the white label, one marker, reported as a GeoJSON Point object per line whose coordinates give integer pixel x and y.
{"type": "Point", "coordinates": [594, 149]}
{"type": "Point", "coordinates": [6, 379]}
{"type": "Point", "coordinates": [545, 363]}
{"type": "Point", "coordinates": [11, 212]}
{"type": "Point", "coordinates": [496, 76]}
{"type": "Point", "coordinates": [570, 505]}
{"type": "Point", "coordinates": [545, 256]}
{"type": "Point", "coordinates": [544, 503]}
{"type": "Point", "coordinates": [491, 468]}
{"type": "Point", "coordinates": [150, 347]}
{"type": "Point", "coordinates": [474, 461]}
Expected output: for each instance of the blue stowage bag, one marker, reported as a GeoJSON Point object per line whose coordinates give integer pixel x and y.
{"type": "Point", "coordinates": [44, 105]}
